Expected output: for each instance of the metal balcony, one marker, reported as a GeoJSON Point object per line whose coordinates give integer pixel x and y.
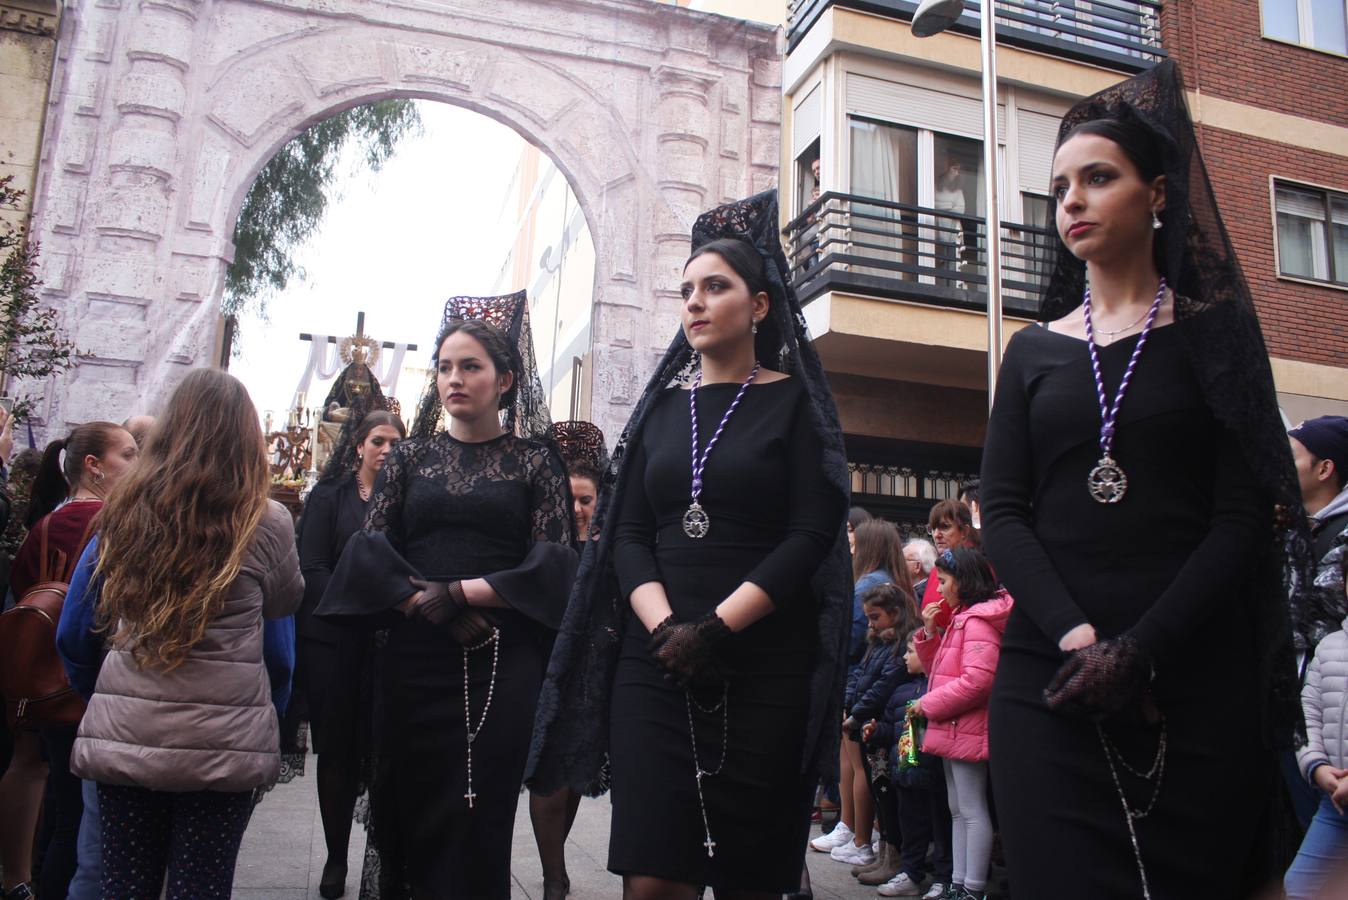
{"type": "Point", "coordinates": [1121, 34]}
{"type": "Point", "coordinates": [877, 248]}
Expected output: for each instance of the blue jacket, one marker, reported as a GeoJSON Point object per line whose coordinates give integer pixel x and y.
{"type": "Point", "coordinates": [856, 647]}
{"type": "Point", "coordinates": [81, 647]}
{"type": "Point", "coordinates": [887, 724]}
{"type": "Point", "coordinates": [869, 687]}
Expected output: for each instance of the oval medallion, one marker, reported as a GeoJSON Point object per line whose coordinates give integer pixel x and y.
{"type": "Point", "coordinates": [1107, 483]}
{"type": "Point", "coordinates": [696, 523]}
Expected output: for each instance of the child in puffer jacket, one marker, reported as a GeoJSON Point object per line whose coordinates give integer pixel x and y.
{"type": "Point", "coordinates": [923, 818]}
{"type": "Point", "coordinates": [1324, 763]}
{"type": "Point", "coordinates": [888, 609]}
{"type": "Point", "coordinates": [961, 664]}
{"type": "Point", "coordinates": [890, 612]}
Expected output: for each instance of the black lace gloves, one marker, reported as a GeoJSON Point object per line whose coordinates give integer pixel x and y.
{"type": "Point", "coordinates": [443, 604]}
{"type": "Point", "coordinates": [685, 650]}
{"type": "Point", "coordinates": [1100, 680]}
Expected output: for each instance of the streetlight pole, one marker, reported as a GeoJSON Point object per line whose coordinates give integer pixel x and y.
{"type": "Point", "coordinates": [933, 17]}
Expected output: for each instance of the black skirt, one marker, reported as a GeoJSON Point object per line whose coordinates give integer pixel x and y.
{"type": "Point", "coordinates": [422, 814]}
{"type": "Point", "coordinates": [758, 803]}
{"type": "Point", "coordinates": [334, 677]}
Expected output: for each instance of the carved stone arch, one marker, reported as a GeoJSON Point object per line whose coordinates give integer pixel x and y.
{"type": "Point", "coordinates": [164, 111]}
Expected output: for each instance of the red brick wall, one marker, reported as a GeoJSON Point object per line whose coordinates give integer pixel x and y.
{"type": "Point", "coordinates": [1221, 48]}
{"type": "Point", "coordinates": [1300, 321]}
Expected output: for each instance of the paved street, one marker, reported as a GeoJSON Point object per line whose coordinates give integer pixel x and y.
{"type": "Point", "coordinates": [283, 853]}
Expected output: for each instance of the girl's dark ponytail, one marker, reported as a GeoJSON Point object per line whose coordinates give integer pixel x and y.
{"type": "Point", "coordinates": [49, 485]}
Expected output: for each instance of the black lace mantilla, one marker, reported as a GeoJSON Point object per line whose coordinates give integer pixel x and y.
{"type": "Point", "coordinates": [571, 732]}
{"type": "Point", "coordinates": [528, 416]}
{"type": "Point", "coordinates": [1217, 318]}
{"type": "Point", "coordinates": [580, 442]}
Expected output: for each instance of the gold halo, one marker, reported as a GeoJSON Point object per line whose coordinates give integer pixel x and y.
{"type": "Point", "coordinates": [348, 344]}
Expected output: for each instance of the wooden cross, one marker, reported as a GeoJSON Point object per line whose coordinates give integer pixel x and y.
{"type": "Point", "coordinates": [360, 333]}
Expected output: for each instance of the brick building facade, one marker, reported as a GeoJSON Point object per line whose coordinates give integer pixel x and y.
{"type": "Point", "coordinates": [1273, 118]}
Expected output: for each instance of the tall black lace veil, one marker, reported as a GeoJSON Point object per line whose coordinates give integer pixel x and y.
{"type": "Point", "coordinates": [528, 416]}
{"type": "Point", "coordinates": [1216, 316]}
{"type": "Point", "coordinates": [571, 731]}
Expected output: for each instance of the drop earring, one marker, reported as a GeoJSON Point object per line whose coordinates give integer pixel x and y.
{"type": "Point", "coordinates": [1155, 221]}
{"type": "Point", "coordinates": [754, 328]}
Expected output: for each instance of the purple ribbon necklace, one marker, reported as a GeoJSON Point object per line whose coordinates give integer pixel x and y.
{"type": "Point", "coordinates": [696, 522]}
{"type": "Point", "coordinates": [1107, 482]}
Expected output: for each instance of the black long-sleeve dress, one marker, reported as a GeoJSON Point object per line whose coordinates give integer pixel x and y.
{"type": "Point", "coordinates": [1169, 565]}
{"type": "Point", "coordinates": [774, 517]}
{"type": "Point", "coordinates": [331, 659]}
{"type": "Point", "coordinates": [448, 510]}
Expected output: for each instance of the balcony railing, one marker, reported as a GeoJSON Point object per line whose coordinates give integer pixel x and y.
{"type": "Point", "coordinates": [1122, 34]}
{"type": "Point", "coordinates": [879, 248]}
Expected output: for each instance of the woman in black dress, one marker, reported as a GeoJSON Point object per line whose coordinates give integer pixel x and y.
{"type": "Point", "coordinates": [332, 659]}
{"type": "Point", "coordinates": [466, 556]}
{"type": "Point", "coordinates": [1137, 674]}
{"type": "Point", "coordinates": [733, 570]}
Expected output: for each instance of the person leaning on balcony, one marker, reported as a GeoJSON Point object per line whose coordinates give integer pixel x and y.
{"type": "Point", "coordinates": [1140, 680]}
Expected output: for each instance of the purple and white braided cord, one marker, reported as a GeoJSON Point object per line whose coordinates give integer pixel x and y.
{"type": "Point", "coordinates": [700, 464]}
{"type": "Point", "coordinates": [1109, 415]}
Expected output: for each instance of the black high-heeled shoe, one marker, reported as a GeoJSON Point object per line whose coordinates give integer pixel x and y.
{"type": "Point", "coordinates": [556, 888]}
{"type": "Point", "coordinates": [333, 883]}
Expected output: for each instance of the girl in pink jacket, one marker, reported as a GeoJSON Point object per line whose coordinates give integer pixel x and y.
{"type": "Point", "coordinates": [961, 663]}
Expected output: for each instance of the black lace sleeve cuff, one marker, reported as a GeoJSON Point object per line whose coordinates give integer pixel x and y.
{"type": "Point", "coordinates": [370, 581]}
{"type": "Point", "coordinates": [539, 586]}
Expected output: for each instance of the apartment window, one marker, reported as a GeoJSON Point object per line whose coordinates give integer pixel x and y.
{"type": "Point", "coordinates": [1321, 24]}
{"type": "Point", "coordinates": [1312, 233]}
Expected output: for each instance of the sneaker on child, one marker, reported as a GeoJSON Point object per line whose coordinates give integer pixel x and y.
{"type": "Point", "coordinates": [840, 835]}
{"type": "Point", "coordinates": [903, 886]}
{"type": "Point", "coordinates": [853, 855]}
{"type": "Point", "coordinates": [935, 892]}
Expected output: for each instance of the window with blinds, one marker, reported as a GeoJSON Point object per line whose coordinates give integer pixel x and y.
{"type": "Point", "coordinates": [1312, 233]}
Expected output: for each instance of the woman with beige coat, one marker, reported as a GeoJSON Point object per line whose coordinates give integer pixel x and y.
{"type": "Point", "coordinates": [189, 558]}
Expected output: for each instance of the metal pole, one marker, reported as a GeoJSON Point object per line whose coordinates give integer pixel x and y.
{"type": "Point", "coordinates": [988, 42]}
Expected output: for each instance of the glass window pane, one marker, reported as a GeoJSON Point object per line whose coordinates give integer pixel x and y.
{"type": "Point", "coordinates": [1303, 204]}
{"type": "Point", "coordinates": [883, 166]}
{"type": "Point", "coordinates": [1339, 239]}
{"type": "Point", "coordinates": [1295, 242]}
{"type": "Point", "coordinates": [1329, 29]}
{"type": "Point", "coordinates": [1280, 19]}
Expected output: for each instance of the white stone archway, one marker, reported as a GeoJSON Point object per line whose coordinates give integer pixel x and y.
{"type": "Point", "coordinates": [163, 111]}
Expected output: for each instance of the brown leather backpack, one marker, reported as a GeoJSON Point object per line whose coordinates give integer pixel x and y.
{"type": "Point", "coordinates": [32, 678]}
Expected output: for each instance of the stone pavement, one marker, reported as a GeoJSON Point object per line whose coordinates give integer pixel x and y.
{"type": "Point", "coordinates": [283, 853]}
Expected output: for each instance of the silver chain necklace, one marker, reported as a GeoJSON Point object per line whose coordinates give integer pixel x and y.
{"type": "Point", "coordinates": [469, 731]}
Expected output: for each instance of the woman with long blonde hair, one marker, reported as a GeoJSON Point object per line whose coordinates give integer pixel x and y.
{"type": "Point", "coordinates": [188, 558]}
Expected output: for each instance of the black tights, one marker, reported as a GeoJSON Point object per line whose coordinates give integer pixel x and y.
{"type": "Point", "coordinates": [552, 816]}
{"type": "Point", "coordinates": [337, 775]}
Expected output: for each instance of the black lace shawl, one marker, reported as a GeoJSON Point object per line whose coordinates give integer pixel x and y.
{"type": "Point", "coordinates": [571, 731]}
{"type": "Point", "coordinates": [1217, 319]}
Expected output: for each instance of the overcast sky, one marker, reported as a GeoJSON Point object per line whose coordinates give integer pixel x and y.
{"type": "Point", "coordinates": [396, 245]}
